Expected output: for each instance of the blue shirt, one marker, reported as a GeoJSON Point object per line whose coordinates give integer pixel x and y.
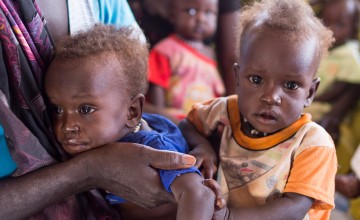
{"type": "Point", "coordinates": [7, 164]}
{"type": "Point", "coordinates": [164, 136]}
{"type": "Point", "coordinates": [116, 12]}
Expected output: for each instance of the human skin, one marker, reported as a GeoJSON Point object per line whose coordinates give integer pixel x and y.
{"type": "Point", "coordinates": [348, 185]}
{"type": "Point", "coordinates": [89, 104]}
{"type": "Point", "coordinates": [274, 88]}
{"type": "Point", "coordinates": [26, 195]}
{"type": "Point", "coordinates": [92, 109]}
{"type": "Point", "coordinates": [273, 95]}
{"type": "Point", "coordinates": [340, 17]}
{"type": "Point", "coordinates": [225, 43]}
{"type": "Point", "coordinates": [193, 21]}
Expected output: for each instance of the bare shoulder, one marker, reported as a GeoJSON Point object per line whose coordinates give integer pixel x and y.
{"type": "Point", "coordinates": [56, 16]}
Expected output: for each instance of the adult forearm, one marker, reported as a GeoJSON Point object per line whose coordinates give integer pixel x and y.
{"type": "Point", "coordinates": [27, 195]}
{"type": "Point", "coordinates": [344, 104]}
{"type": "Point", "coordinates": [225, 48]}
{"type": "Point", "coordinates": [109, 167]}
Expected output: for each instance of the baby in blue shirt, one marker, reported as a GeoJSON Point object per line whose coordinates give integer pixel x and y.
{"type": "Point", "coordinates": [95, 87]}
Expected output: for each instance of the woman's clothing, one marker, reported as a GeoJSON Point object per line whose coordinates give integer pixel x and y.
{"type": "Point", "coordinates": [26, 50]}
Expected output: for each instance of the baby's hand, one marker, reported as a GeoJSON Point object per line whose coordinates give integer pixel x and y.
{"type": "Point", "coordinates": [348, 185]}
{"type": "Point", "coordinates": [221, 210]}
{"type": "Point", "coordinates": [205, 160]}
{"type": "Point", "coordinates": [220, 202]}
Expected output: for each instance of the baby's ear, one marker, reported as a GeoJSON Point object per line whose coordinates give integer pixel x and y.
{"type": "Point", "coordinates": [312, 91]}
{"type": "Point", "coordinates": [135, 110]}
{"type": "Point", "coordinates": [236, 76]}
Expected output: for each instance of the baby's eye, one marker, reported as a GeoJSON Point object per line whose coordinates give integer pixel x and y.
{"type": "Point", "coordinates": [291, 85]}
{"type": "Point", "coordinates": [192, 11]}
{"type": "Point", "coordinates": [86, 109]}
{"type": "Point", "coordinates": [57, 110]}
{"type": "Point", "coordinates": [256, 79]}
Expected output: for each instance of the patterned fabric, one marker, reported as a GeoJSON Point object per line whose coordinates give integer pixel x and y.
{"type": "Point", "coordinates": [300, 158]}
{"type": "Point", "coordinates": [25, 53]}
{"type": "Point", "coordinates": [188, 76]}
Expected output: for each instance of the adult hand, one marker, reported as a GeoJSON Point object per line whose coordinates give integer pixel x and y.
{"type": "Point", "coordinates": [125, 169]}
{"type": "Point", "coordinates": [128, 170]}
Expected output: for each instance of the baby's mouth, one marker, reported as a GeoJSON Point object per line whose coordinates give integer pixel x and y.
{"type": "Point", "coordinates": [268, 116]}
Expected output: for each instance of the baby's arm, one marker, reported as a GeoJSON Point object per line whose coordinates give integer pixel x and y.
{"type": "Point", "coordinates": [343, 96]}
{"type": "Point", "coordinates": [289, 206]}
{"type": "Point", "coordinates": [200, 147]}
{"type": "Point", "coordinates": [195, 200]}
{"type": "Point", "coordinates": [348, 185]}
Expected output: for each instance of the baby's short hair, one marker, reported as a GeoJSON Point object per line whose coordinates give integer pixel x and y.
{"type": "Point", "coordinates": [293, 16]}
{"type": "Point", "coordinates": [130, 51]}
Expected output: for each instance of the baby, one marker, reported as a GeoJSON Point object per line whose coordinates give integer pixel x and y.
{"type": "Point", "coordinates": [275, 163]}
{"type": "Point", "coordinates": [95, 86]}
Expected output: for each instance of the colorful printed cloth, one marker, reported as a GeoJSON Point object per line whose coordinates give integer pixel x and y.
{"type": "Point", "coordinates": [187, 75]}
{"type": "Point", "coordinates": [300, 158]}
{"type": "Point", "coordinates": [26, 51]}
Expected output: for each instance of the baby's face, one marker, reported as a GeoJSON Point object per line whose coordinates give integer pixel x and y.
{"type": "Point", "coordinates": [88, 106]}
{"type": "Point", "coordinates": [194, 19]}
{"type": "Point", "coordinates": [275, 78]}
{"type": "Point", "coordinates": [339, 16]}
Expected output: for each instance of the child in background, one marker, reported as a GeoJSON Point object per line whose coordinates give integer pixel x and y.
{"type": "Point", "coordinates": [336, 105]}
{"type": "Point", "coordinates": [182, 70]}
{"type": "Point", "coordinates": [95, 86]}
{"type": "Point", "coordinates": [275, 163]}
{"type": "Point", "coordinates": [349, 184]}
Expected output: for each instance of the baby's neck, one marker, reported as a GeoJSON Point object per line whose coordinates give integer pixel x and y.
{"type": "Point", "coordinates": [250, 131]}
{"type": "Point", "coordinates": [197, 45]}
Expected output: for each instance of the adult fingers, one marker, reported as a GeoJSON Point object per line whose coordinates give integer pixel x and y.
{"type": "Point", "coordinates": [199, 161]}
{"type": "Point", "coordinates": [168, 160]}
